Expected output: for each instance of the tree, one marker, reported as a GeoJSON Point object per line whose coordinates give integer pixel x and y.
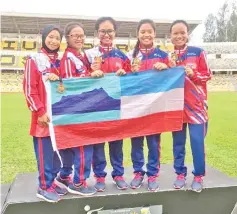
{"type": "Point", "coordinates": [223, 26]}
{"type": "Point", "coordinates": [232, 25]}
{"type": "Point", "coordinates": [221, 22]}
{"type": "Point", "coordinates": [210, 29]}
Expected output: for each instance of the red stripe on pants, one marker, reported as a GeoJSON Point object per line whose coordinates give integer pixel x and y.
{"type": "Point", "coordinates": [82, 163]}
{"type": "Point", "coordinates": [41, 160]}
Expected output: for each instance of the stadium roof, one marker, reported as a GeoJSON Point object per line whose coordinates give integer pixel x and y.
{"type": "Point", "coordinates": [30, 23]}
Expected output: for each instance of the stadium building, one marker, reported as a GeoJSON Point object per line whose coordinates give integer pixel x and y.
{"type": "Point", "coordinates": [21, 36]}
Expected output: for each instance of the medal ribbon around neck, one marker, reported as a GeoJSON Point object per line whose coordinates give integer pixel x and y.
{"type": "Point", "coordinates": [61, 87]}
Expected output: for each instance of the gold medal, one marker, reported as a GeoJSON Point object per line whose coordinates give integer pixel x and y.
{"type": "Point", "coordinates": [174, 57]}
{"type": "Point", "coordinates": [136, 61]}
{"type": "Point", "coordinates": [61, 87]}
{"type": "Point", "coordinates": [98, 59]}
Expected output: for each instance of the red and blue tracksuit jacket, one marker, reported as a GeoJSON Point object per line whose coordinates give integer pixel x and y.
{"type": "Point", "coordinates": [195, 89]}
{"type": "Point", "coordinates": [112, 60]}
{"type": "Point", "coordinates": [147, 58]}
{"type": "Point", "coordinates": [195, 110]}
{"type": "Point", "coordinates": [73, 65]}
{"type": "Point", "coordinates": [36, 68]}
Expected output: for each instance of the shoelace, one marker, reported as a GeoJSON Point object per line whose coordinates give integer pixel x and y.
{"type": "Point", "coordinates": [100, 179]}
{"type": "Point", "coordinates": [181, 177]}
{"type": "Point", "coordinates": [69, 179]}
{"type": "Point", "coordinates": [83, 183]}
{"type": "Point", "coordinates": [152, 178]}
{"type": "Point", "coordinates": [198, 179]}
{"type": "Point", "coordinates": [54, 185]}
{"type": "Point", "coordinates": [119, 178]}
{"type": "Point", "coordinates": [51, 189]}
{"type": "Point", "coordinates": [138, 176]}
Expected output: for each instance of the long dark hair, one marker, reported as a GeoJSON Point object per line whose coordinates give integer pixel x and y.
{"type": "Point", "coordinates": [143, 21]}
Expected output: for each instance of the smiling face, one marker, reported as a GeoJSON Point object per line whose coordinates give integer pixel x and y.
{"type": "Point", "coordinates": [146, 35]}
{"type": "Point", "coordinates": [106, 33]}
{"type": "Point", "coordinates": [76, 38]}
{"type": "Point", "coordinates": [53, 39]}
{"type": "Point", "coordinates": [179, 35]}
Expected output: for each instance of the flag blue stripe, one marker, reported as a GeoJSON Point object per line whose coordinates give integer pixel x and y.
{"type": "Point", "coordinates": [69, 119]}
{"type": "Point", "coordinates": [152, 81]}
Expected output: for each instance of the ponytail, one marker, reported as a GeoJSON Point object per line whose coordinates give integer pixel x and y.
{"type": "Point", "coordinates": [136, 49]}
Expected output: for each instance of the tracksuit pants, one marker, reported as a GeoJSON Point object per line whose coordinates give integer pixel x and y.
{"type": "Point", "coordinates": [81, 158]}
{"type": "Point", "coordinates": [137, 155]}
{"type": "Point", "coordinates": [48, 161]}
{"type": "Point", "coordinates": [197, 135]}
{"type": "Point", "coordinates": [116, 159]}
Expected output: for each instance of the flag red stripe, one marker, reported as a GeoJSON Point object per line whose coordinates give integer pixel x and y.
{"type": "Point", "coordinates": [68, 136]}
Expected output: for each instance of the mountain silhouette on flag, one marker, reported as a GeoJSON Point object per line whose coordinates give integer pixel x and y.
{"type": "Point", "coordinates": [96, 100]}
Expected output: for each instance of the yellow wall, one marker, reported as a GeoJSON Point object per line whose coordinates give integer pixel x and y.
{"type": "Point", "coordinates": [13, 52]}
{"type": "Point", "coordinates": [9, 45]}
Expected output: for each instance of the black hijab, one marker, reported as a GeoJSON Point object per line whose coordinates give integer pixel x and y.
{"type": "Point", "coordinates": [46, 32]}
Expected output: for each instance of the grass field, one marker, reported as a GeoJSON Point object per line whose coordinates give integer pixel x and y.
{"type": "Point", "coordinates": [221, 143]}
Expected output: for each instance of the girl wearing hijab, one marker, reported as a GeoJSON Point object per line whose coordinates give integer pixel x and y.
{"type": "Point", "coordinates": [44, 65]}
{"type": "Point", "coordinates": [74, 65]}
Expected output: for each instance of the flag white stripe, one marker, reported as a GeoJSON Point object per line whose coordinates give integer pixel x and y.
{"type": "Point", "coordinates": [142, 105]}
